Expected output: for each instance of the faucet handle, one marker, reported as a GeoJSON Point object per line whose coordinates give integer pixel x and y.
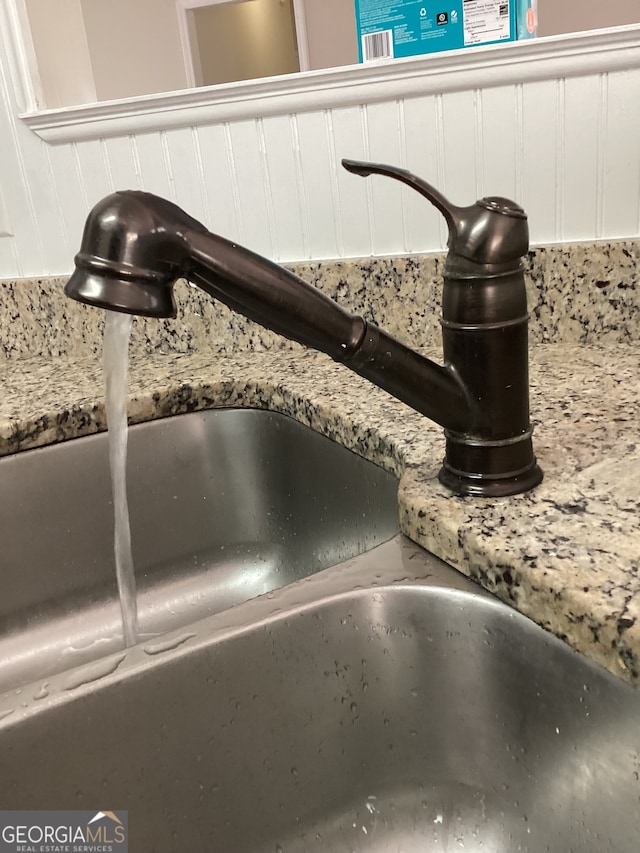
{"type": "Point", "coordinates": [493, 231]}
{"type": "Point", "coordinates": [448, 210]}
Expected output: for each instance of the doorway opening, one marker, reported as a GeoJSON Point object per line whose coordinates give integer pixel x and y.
{"type": "Point", "coordinates": [226, 41]}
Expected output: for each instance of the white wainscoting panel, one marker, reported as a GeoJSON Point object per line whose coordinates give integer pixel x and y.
{"type": "Point", "coordinates": [561, 137]}
{"type": "Point", "coordinates": [620, 166]}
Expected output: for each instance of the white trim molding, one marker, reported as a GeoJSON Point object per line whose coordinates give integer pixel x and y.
{"type": "Point", "coordinates": [21, 56]}
{"type": "Point", "coordinates": [5, 226]}
{"type": "Point", "coordinates": [557, 57]}
{"type": "Point", "coordinates": [186, 42]}
{"type": "Point", "coordinates": [302, 37]}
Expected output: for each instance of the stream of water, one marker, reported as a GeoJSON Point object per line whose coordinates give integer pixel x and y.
{"type": "Point", "coordinates": [117, 332]}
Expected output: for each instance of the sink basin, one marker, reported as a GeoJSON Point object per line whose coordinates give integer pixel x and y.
{"type": "Point", "coordinates": [225, 505]}
{"type": "Point", "coordinates": [320, 682]}
{"type": "Point", "coordinates": [386, 704]}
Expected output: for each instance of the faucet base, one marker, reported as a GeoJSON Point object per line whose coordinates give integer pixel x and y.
{"type": "Point", "coordinates": [492, 468]}
{"type": "Point", "coordinates": [490, 487]}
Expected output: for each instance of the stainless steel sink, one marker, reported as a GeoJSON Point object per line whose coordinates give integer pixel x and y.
{"type": "Point", "coordinates": [386, 704]}
{"type": "Point", "coordinates": [316, 690]}
{"type": "Point", "coordinates": [225, 505]}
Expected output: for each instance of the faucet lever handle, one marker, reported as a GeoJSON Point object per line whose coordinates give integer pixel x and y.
{"type": "Point", "coordinates": [450, 212]}
{"type": "Point", "coordinates": [492, 231]}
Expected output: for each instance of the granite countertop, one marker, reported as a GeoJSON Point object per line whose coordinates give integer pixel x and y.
{"type": "Point", "coordinates": [566, 554]}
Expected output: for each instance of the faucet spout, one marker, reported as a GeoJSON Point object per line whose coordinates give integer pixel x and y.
{"type": "Point", "coordinates": [278, 299]}
{"type": "Point", "coordinates": [136, 245]}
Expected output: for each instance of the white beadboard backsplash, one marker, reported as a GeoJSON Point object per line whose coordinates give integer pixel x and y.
{"type": "Point", "coordinates": [566, 147]}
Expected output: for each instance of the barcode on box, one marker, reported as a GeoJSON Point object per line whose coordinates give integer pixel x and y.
{"type": "Point", "coordinates": [377, 45]}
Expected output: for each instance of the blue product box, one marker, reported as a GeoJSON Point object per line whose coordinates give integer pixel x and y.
{"type": "Point", "coordinates": [388, 30]}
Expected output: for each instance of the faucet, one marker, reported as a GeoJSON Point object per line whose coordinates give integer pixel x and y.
{"type": "Point", "coordinates": [136, 245]}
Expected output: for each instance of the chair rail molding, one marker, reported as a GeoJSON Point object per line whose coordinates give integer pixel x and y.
{"type": "Point", "coordinates": [556, 57]}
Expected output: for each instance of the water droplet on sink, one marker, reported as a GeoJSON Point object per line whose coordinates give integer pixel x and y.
{"type": "Point", "coordinates": [94, 672]}
{"type": "Point", "coordinates": [167, 645]}
{"type": "Point", "coordinates": [43, 692]}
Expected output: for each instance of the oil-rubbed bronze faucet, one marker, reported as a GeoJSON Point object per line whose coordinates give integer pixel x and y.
{"type": "Point", "coordinates": [135, 245]}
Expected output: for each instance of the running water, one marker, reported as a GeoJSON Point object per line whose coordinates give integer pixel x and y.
{"type": "Point", "coordinates": [117, 331]}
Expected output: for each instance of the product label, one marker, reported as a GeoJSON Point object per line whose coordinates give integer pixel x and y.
{"type": "Point", "coordinates": [394, 30]}
{"type": "Point", "coordinates": [486, 21]}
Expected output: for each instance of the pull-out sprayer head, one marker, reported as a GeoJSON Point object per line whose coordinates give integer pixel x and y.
{"type": "Point", "coordinates": [131, 254]}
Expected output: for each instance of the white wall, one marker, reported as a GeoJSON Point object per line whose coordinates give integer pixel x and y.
{"type": "Point", "coordinates": [134, 46]}
{"type": "Point", "coordinates": [565, 145]}
{"type": "Point", "coordinates": [66, 76]}
{"type": "Point", "coordinates": [111, 50]}
{"type": "Point", "coordinates": [331, 33]}
{"type": "Point", "coordinates": [569, 16]}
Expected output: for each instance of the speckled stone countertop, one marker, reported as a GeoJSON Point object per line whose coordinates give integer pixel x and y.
{"type": "Point", "coordinates": [566, 554]}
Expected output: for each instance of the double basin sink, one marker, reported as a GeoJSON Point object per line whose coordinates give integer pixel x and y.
{"type": "Point", "coordinates": [306, 678]}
